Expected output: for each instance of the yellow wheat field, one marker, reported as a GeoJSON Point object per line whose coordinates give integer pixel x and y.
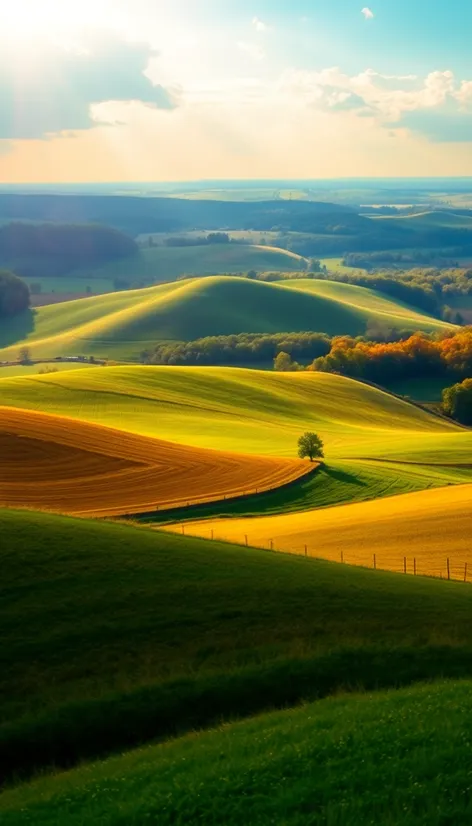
{"type": "Point", "coordinates": [53, 463]}
{"type": "Point", "coordinates": [428, 527]}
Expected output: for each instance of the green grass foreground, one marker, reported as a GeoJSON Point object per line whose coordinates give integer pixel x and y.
{"type": "Point", "coordinates": [112, 635]}
{"type": "Point", "coordinates": [397, 758]}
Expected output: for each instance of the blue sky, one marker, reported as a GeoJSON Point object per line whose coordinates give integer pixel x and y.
{"type": "Point", "coordinates": [183, 89]}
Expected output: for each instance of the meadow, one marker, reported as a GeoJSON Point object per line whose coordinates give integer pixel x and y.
{"type": "Point", "coordinates": [392, 756]}
{"type": "Point", "coordinates": [176, 634]}
{"type": "Point", "coordinates": [121, 325]}
{"type": "Point", "coordinates": [246, 411]}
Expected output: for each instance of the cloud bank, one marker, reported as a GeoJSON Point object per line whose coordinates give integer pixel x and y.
{"type": "Point", "coordinates": [52, 89]}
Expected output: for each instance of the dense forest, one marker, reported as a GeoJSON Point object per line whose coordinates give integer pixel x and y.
{"type": "Point", "coordinates": [14, 295]}
{"type": "Point", "coordinates": [57, 249]}
{"type": "Point", "coordinates": [243, 349]}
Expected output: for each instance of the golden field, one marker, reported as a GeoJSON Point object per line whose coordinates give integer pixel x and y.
{"type": "Point", "coordinates": [429, 526]}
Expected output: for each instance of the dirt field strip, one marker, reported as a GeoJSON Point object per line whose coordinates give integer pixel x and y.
{"type": "Point", "coordinates": [53, 463]}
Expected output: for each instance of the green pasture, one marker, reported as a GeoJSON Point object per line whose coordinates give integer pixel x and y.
{"type": "Point", "coordinates": [248, 411]}
{"type": "Point", "coordinates": [397, 757]}
{"type": "Point", "coordinates": [114, 635]}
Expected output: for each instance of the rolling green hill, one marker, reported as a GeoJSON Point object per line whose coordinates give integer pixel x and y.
{"type": "Point", "coordinates": [176, 633]}
{"type": "Point", "coordinates": [123, 324]}
{"type": "Point", "coordinates": [390, 758]}
{"type": "Point", "coordinates": [248, 411]}
{"type": "Point", "coordinates": [160, 263]}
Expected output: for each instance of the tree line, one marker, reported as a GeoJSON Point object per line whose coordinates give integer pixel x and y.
{"type": "Point", "coordinates": [418, 356]}
{"type": "Point", "coordinates": [245, 348]}
{"type": "Point", "coordinates": [57, 249]}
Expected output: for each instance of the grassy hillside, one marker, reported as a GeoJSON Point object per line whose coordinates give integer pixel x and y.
{"type": "Point", "coordinates": [429, 526]}
{"type": "Point", "coordinates": [434, 219]}
{"type": "Point", "coordinates": [247, 411]}
{"type": "Point", "coordinates": [176, 633]}
{"type": "Point", "coordinates": [123, 324]}
{"type": "Point", "coordinates": [154, 264]}
{"type": "Point", "coordinates": [58, 464]}
{"type": "Point", "coordinates": [392, 758]}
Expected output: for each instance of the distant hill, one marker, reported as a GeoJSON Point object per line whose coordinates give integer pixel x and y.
{"type": "Point", "coordinates": [143, 215]}
{"type": "Point", "coordinates": [122, 325]}
{"type": "Point", "coordinates": [423, 221]}
{"type": "Point", "coordinates": [161, 263]}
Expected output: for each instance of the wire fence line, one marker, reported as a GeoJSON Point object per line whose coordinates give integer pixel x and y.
{"type": "Point", "coordinates": [430, 564]}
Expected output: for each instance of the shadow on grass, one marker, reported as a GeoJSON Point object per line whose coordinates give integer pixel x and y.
{"type": "Point", "coordinates": [92, 728]}
{"type": "Point", "coordinates": [15, 330]}
{"type": "Point", "coordinates": [342, 476]}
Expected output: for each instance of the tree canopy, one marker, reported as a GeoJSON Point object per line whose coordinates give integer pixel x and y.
{"type": "Point", "coordinates": [14, 294]}
{"type": "Point", "coordinates": [310, 446]}
{"type": "Point", "coordinates": [457, 402]}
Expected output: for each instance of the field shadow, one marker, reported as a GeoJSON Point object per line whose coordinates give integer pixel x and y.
{"type": "Point", "coordinates": [14, 330]}
{"type": "Point", "coordinates": [344, 477]}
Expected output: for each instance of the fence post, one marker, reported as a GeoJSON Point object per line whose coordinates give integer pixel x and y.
{"type": "Point", "coordinates": [183, 529]}
{"type": "Point", "coordinates": [465, 572]}
{"type": "Point", "coordinates": [448, 569]}
{"type": "Point", "coordinates": [404, 564]}
{"type": "Point", "coordinates": [245, 537]}
{"type": "Point", "coordinates": [306, 550]}
{"type": "Point", "coordinates": [375, 562]}
{"type": "Point", "coordinates": [212, 533]}
{"type": "Point", "coordinates": [272, 544]}
{"type": "Point", "coordinates": [342, 557]}
{"type": "Point", "coordinates": [414, 566]}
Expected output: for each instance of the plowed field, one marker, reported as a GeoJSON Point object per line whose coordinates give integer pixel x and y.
{"type": "Point", "coordinates": [59, 464]}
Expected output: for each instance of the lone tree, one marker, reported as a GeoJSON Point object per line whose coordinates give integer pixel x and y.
{"type": "Point", "coordinates": [310, 446]}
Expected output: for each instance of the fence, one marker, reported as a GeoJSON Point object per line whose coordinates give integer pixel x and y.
{"type": "Point", "coordinates": [427, 564]}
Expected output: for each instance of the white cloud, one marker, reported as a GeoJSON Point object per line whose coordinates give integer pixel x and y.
{"type": "Point", "coordinates": [49, 90]}
{"type": "Point", "coordinates": [437, 105]}
{"type": "Point", "coordinates": [368, 13]}
{"type": "Point", "coordinates": [259, 25]}
{"type": "Point", "coordinates": [254, 51]}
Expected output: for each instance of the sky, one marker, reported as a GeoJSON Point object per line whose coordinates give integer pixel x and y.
{"type": "Point", "coordinates": [169, 90]}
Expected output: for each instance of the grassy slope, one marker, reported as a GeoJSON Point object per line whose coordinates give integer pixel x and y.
{"type": "Point", "coordinates": [34, 369]}
{"type": "Point", "coordinates": [246, 411]}
{"type": "Point", "coordinates": [429, 526]}
{"type": "Point", "coordinates": [64, 465]}
{"type": "Point", "coordinates": [161, 263]}
{"type": "Point", "coordinates": [175, 633]}
{"type": "Point", "coordinates": [393, 758]}
{"type": "Point", "coordinates": [122, 324]}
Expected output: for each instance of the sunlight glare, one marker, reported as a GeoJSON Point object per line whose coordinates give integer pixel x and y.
{"type": "Point", "coordinates": [56, 19]}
